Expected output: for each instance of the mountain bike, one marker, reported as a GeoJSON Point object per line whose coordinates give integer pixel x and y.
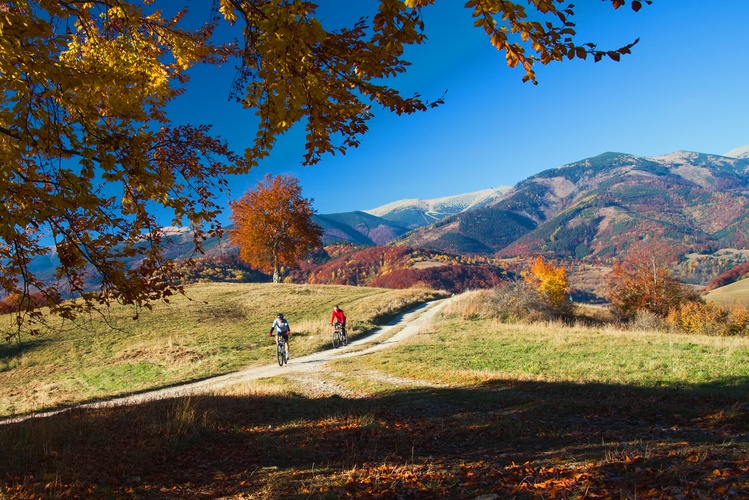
{"type": "Point", "coordinates": [339, 336]}
{"type": "Point", "coordinates": [280, 350]}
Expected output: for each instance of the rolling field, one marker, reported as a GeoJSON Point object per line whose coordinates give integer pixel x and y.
{"type": "Point", "coordinates": [468, 406]}
{"type": "Point", "coordinates": [215, 329]}
{"type": "Point", "coordinates": [735, 293]}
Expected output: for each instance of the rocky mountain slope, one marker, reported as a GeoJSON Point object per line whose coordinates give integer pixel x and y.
{"type": "Point", "coordinates": [593, 209]}
{"type": "Point", "coordinates": [597, 207]}
{"type": "Point", "coordinates": [358, 228]}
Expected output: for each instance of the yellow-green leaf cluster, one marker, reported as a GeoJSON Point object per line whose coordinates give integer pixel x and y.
{"type": "Point", "coordinates": [87, 150]}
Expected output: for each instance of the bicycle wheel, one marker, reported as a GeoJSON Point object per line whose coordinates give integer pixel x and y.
{"type": "Point", "coordinates": [344, 338]}
{"type": "Point", "coordinates": [336, 338]}
{"type": "Point", "coordinates": [280, 354]}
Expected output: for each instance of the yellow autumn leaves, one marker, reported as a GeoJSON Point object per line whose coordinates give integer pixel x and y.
{"type": "Point", "coordinates": [551, 282]}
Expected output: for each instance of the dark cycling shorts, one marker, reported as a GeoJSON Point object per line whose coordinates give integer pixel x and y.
{"type": "Point", "coordinates": [284, 335]}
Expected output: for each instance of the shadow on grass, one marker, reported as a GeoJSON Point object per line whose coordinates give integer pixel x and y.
{"type": "Point", "coordinates": [10, 350]}
{"type": "Point", "coordinates": [506, 438]}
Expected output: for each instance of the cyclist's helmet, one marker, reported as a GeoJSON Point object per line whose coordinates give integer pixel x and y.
{"type": "Point", "coordinates": [279, 316]}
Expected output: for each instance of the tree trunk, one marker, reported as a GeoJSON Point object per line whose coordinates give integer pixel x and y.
{"type": "Point", "coordinates": [276, 271]}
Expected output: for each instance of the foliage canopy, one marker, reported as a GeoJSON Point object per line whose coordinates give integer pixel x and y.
{"type": "Point", "coordinates": [88, 154]}
{"type": "Point", "coordinates": [552, 285]}
{"type": "Point", "coordinates": [643, 281]}
{"type": "Point", "coordinates": [273, 225]}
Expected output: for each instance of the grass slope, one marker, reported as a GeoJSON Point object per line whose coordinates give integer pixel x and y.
{"type": "Point", "coordinates": [215, 329]}
{"type": "Point", "coordinates": [735, 293]}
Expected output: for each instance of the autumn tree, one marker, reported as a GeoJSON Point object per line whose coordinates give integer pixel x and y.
{"type": "Point", "coordinates": [643, 281]}
{"type": "Point", "coordinates": [89, 155]}
{"type": "Point", "coordinates": [273, 225]}
{"type": "Point", "coordinates": [551, 283]}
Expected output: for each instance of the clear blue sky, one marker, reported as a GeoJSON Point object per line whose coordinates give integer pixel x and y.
{"type": "Point", "coordinates": [684, 87]}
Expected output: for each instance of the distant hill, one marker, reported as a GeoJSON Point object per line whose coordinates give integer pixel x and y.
{"type": "Point", "coordinates": [597, 207]}
{"type": "Point", "coordinates": [736, 293]}
{"type": "Point", "coordinates": [592, 210]}
{"type": "Point", "coordinates": [734, 274]}
{"type": "Point", "coordinates": [742, 152]}
{"type": "Point", "coordinates": [359, 228]}
{"type": "Point", "coordinates": [403, 267]}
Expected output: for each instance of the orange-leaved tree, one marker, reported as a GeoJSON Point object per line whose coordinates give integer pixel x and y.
{"type": "Point", "coordinates": [552, 284]}
{"type": "Point", "coordinates": [643, 281]}
{"type": "Point", "coordinates": [273, 225]}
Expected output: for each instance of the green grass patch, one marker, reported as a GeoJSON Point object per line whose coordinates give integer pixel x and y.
{"type": "Point", "coordinates": [458, 351]}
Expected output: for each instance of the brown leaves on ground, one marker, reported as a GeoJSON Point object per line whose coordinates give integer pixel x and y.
{"type": "Point", "coordinates": [503, 439]}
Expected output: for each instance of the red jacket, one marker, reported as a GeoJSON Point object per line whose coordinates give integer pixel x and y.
{"type": "Point", "coordinates": [338, 316]}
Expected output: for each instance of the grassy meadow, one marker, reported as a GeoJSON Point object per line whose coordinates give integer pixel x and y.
{"type": "Point", "coordinates": [467, 407]}
{"type": "Point", "coordinates": [468, 345]}
{"type": "Point", "coordinates": [214, 329]}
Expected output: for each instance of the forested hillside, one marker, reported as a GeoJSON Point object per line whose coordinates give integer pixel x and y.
{"type": "Point", "coordinates": [403, 267]}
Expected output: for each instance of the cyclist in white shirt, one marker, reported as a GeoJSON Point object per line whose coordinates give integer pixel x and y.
{"type": "Point", "coordinates": [281, 327]}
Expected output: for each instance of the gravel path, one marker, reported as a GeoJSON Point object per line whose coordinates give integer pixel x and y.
{"type": "Point", "coordinates": [308, 368]}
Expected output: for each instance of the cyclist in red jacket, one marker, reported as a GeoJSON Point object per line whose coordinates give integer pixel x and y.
{"type": "Point", "coordinates": [338, 317]}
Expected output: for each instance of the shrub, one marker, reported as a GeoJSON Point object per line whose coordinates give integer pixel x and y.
{"type": "Point", "coordinates": [709, 319]}
{"type": "Point", "coordinates": [738, 320]}
{"type": "Point", "coordinates": [698, 317]}
{"type": "Point", "coordinates": [552, 285]}
{"type": "Point", "coordinates": [645, 320]}
{"type": "Point", "coordinates": [521, 301]}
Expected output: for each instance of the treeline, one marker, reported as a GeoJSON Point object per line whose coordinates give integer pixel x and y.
{"type": "Point", "coordinates": [732, 275]}
{"type": "Point", "coordinates": [453, 278]}
{"type": "Point", "coordinates": [15, 302]}
{"type": "Point", "coordinates": [360, 268]}
{"type": "Point", "coordinates": [403, 267]}
{"type": "Point", "coordinates": [223, 268]}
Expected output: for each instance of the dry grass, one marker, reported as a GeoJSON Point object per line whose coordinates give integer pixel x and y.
{"type": "Point", "coordinates": [512, 438]}
{"type": "Point", "coordinates": [470, 343]}
{"type": "Point", "coordinates": [726, 296]}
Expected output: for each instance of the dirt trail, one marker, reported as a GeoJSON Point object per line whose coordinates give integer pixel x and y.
{"type": "Point", "coordinates": [308, 366]}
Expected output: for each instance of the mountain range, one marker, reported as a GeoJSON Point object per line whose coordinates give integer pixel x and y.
{"type": "Point", "coordinates": [592, 210]}
{"type": "Point", "coordinates": [597, 207]}
{"type": "Point", "coordinates": [382, 225]}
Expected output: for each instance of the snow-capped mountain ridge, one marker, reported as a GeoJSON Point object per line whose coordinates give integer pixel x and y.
{"type": "Point", "coordinates": [417, 212]}
{"type": "Point", "coordinates": [741, 152]}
